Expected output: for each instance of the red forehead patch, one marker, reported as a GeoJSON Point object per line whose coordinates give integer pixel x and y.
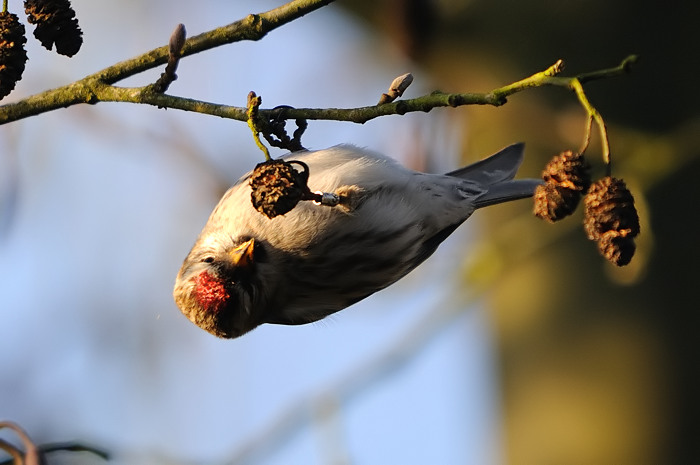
{"type": "Point", "coordinates": [210, 292]}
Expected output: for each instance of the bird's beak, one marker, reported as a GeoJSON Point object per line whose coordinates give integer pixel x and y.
{"type": "Point", "coordinates": [242, 256]}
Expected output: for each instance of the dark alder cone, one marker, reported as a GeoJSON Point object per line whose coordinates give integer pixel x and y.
{"type": "Point", "coordinates": [13, 57]}
{"type": "Point", "coordinates": [55, 24]}
{"type": "Point", "coordinates": [611, 219]}
{"type": "Point", "coordinates": [277, 187]}
{"type": "Point", "coordinates": [566, 178]}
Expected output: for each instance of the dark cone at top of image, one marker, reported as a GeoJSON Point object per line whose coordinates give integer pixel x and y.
{"type": "Point", "coordinates": [56, 24]}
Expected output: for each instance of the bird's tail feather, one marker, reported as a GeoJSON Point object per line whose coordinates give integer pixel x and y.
{"type": "Point", "coordinates": [507, 191]}
{"type": "Point", "coordinates": [499, 167]}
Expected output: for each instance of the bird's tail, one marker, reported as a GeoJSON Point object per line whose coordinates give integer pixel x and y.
{"type": "Point", "coordinates": [501, 166]}
{"type": "Point", "coordinates": [496, 173]}
{"type": "Point", "coordinates": [507, 191]}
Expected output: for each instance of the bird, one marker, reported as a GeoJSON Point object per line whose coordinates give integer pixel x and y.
{"type": "Point", "coordinates": [246, 269]}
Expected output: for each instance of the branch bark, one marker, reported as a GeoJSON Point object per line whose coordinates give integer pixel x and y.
{"type": "Point", "coordinates": [98, 87]}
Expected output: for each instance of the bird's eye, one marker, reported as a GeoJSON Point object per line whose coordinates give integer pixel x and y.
{"type": "Point", "coordinates": [208, 259]}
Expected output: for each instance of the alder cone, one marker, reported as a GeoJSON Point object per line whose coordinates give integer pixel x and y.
{"type": "Point", "coordinates": [56, 24]}
{"type": "Point", "coordinates": [276, 187]}
{"type": "Point", "coordinates": [609, 205]}
{"type": "Point", "coordinates": [566, 178]}
{"type": "Point", "coordinates": [611, 218]}
{"type": "Point", "coordinates": [13, 57]}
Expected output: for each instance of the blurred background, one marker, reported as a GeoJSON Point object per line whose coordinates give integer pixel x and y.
{"type": "Point", "coordinates": [515, 344]}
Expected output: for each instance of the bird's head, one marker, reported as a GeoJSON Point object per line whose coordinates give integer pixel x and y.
{"type": "Point", "coordinates": [218, 286]}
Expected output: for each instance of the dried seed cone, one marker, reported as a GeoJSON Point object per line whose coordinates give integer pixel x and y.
{"type": "Point", "coordinates": [13, 57]}
{"type": "Point", "coordinates": [566, 178]}
{"type": "Point", "coordinates": [611, 219]}
{"type": "Point", "coordinates": [55, 24]}
{"type": "Point", "coordinates": [277, 187]}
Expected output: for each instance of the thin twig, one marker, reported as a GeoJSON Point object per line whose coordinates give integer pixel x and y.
{"type": "Point", "coordinates": [254, 102]}
{"type": "Point", "coordinates": [167, 77]}
{"type": "Point", "coordinates": [587, 135]}
{"type": "Point", "coordinates": [575, 84]}
{"type": "Point", "coordinates": [496, 97]}
{"type": "Point", "coordinates": [622, 68]}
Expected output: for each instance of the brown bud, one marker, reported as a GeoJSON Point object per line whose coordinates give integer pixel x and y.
{"type": "Point", "coordinates": [396, 89]}
{"type": "Point", "coordinates": [13, 57]}
{"type": "Point", "coordinates": [565, 177]}
{"type": "Point", "coordinates": [277, 187]}
{"type": "Point", "coordinates": [55, 24]}
{"type": "Point", "coordinates": [177, 41]}
{"type": "Point", "coordinates": [611, 219]}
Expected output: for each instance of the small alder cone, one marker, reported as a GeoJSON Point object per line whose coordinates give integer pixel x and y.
{"type": "Point", "coordinates": [55, 24]}
{"type": "Point", "coordinates": [611, 219]}
{"type": "Point", "coordinates": [277, 187]}
{"type": "Point", "coordinates": [13, 57]}
{"type": "Point", "coordinates": [566, 178]}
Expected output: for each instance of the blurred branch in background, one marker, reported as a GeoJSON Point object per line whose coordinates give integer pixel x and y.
{"type": "Point", "coordinates": [30, 455]}
{"type": "Point", "coordinates": [35, 454]}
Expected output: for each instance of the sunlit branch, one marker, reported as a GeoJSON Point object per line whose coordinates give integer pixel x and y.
{"type": "Point", "coordinates": [98, 87]}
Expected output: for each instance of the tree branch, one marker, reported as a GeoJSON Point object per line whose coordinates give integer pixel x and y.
{"type": "Point", "coordinates": [98, 87]}
{"type": "Point", "coordinates": [496, 97]}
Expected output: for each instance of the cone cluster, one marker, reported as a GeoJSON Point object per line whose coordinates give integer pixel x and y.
{"type": "Point", "coordinates": [276, 187]}
{"type": "Point", "coordinates": [13, 57]}
{"type": "Point", "coordinates": [610, 217]}
{"type": "Point", "coordinates": [55, 25]}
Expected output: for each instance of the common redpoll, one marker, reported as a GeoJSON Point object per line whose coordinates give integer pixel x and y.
{"type": "Point", "coordinates": [246, 269]}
